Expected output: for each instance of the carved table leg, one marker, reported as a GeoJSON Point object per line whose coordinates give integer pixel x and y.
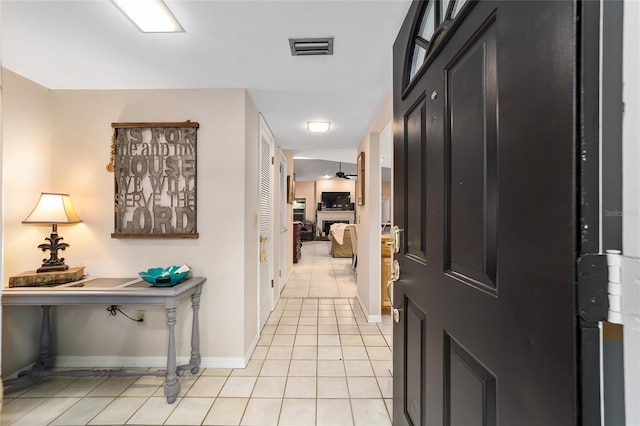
{"type": "Point", "coordinates": [195, 332]}
{"type": "Point", "coordinates": [172, 386]}
{"type": "Point", "coordinates": [45, 360]}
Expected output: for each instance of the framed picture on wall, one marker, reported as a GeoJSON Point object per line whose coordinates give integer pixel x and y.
{"type": "Point", "coordinates": [291, 189]}
{"type": "Point", "coordinates": [360, 183]}
{"type": "Point", "coordinates": [154, 167]}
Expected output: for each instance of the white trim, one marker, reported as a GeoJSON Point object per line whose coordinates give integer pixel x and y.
{"type": "Point", "coordinates": [143, 361]}
{"type": "Point", "coordinates": [362, 305]}
{"type": "Point", "coordinates": [600, 207]}
{"type": "Point", "coordinates": [286, 279]}
{"type": "Point", "coordinates": [283, 232]}
{"type": "Point", "coordinates": [252, 347]}
{"type": "Point", "coordinates": [370, 318]}
{"type": "Point", "coordinates": [631, 211]}
{"type": "Point", "coordinates": [374, 318]}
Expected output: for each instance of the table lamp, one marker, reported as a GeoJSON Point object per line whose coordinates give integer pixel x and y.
{"type": "Point", "coordinates": [53, 209]}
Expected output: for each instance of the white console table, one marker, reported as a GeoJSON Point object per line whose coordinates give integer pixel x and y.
{"type": "Point", "coordinates": [112, 291]}
{"type": "Point", "coordinates": [333, 215]}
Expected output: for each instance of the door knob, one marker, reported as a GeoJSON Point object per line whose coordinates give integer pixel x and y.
{"type": "Point", "coordinates": [395, 276]}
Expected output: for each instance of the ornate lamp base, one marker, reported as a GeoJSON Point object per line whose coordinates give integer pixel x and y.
{"type": "Point", "coordinates": [54, 263]}
{"type": "Point", "coordinates": [52, 268]}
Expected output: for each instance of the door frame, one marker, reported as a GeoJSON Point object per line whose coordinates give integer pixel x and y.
{"type": "Point", "coordinates": [631, 207]}
{"type": "Point", "coordinates": [283, 276]}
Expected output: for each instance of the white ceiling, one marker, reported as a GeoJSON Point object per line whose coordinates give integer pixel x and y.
{"type": "Point", "coordinates": [313, 169]}
{"type": "Point", "coordinates": [89, 44]}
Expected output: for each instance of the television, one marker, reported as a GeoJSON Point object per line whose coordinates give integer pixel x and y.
{"type": "Point", "coordinates": [336, 200]}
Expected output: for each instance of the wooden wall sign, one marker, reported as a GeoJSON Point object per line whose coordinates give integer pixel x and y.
{"type": "Point", "coordinates": [154, 167]}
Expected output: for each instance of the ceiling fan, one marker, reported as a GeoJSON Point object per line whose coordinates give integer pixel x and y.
{"type": "Point", "coordinates": [342, 175]}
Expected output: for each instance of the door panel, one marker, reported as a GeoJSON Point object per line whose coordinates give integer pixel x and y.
{"type": "Point", "coordinates": [415, 363]}
{"type": "Point", "coordinates": [470, 389]}
{"type": "Point", "coordinates": [416, 179]}
{"type": "Point", "coordinates": [471, 147]}
{"type": "Point", "coordinates": [485, 190]}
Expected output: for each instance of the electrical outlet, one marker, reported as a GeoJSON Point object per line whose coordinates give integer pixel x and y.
{"type": "Point", "coordinates": [142, 317]}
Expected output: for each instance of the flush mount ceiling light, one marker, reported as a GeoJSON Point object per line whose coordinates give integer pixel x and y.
{"type": "Point", "coordinates": [318, 126]}
{"type": "Point", "coordinates": [311, 46]}
{"type": "Point", "coordinates": [150, 16]}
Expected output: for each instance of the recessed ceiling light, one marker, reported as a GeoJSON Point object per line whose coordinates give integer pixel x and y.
{"type": "Point", "coordinates": [150, 16]}
{"type": "Point", "coordinates": [318, 126]}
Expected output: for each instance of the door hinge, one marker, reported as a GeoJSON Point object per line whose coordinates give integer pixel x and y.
{"type": "Point", "coordinates": [614, 264]}
{"type": "Point", "coordinates": [281, 168]}
{"type": "Point", "coordinates": [273, 160]}
{"type": "Point", "coordinates": [592, 287]}
{"type": "Point", "coordinates": [271, 283]}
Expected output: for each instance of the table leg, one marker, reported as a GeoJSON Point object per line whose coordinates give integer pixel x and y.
{"type": "Point", "coordinates": [195, 332]}
{"type": "Point", "coordinates": [45, 360]}
{"type": "Point", "coordinates": [172, 386]}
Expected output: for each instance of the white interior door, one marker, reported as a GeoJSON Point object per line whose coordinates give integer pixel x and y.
{"type": "Point", "coordinates": [265, 222]}
{"type": "Point", "coordinates": [282, 281]}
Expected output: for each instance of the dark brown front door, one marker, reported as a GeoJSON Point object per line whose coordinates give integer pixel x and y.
{"type": "Point", "coordinates": [485, 147]}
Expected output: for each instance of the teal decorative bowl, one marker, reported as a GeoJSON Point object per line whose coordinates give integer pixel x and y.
{"type": "Point", "coordinates": [165, 277]}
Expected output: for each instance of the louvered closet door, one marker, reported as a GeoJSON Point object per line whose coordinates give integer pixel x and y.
{"type": "Point", "coordinates": [265, 222]}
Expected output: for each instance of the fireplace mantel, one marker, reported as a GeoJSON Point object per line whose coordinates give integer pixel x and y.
{"type": "Point", "coordinates": [333, 215]}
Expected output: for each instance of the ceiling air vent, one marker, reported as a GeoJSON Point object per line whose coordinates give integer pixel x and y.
{"type": "Point", "coordinates": [311, 46]}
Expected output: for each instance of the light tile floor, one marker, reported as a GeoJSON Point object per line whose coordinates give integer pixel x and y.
{"type": "Point", "coordinates": [318, 362]}
{"type": "Point", "coordinates": [319, 275]}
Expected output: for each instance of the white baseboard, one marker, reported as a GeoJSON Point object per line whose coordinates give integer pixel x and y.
{"type": "Point", "coordinates": [362, 305]}
{"type": "Point", "coordinates": [252, 348]}
{"type": "Point", "coordinates": [370, 318]}
{"type": "Point", "coordinates": [374, 318]}
{"type": "Point", "coordinates": [286, 280]}
{"type": "Point", "coordinates": [133, 361]}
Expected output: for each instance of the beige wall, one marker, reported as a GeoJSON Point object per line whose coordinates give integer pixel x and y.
{"type": "Point", "coordinates": [72, 130]}
{"type": "Point", "coordinates": [307, 189]}
{"type": "Point", "coordinates": [368, 218]}
{"type": "Point", "coordinates": [386, 189]}
{"type": "Point", "coordinates": [251, 131]}
{"type": "Point", "coordinates": [335, 185]}
{"type": "Point", "coordinates": [289, 156]}
{"type": "Point", "coordinates": [312, 191]}
{"type": "Point", "coordinates": [1, 209]}
{"type": "Point", "coordinates": [26, 171]}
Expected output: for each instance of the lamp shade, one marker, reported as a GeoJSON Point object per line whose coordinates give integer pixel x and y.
{"type": "Point", "coordinates": [53, 209]}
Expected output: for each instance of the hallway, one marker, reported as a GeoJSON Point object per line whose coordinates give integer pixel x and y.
{"type": "Point", "coordinates": [318, 362]}
{"type": "Point", "coordinates": [319, 275]}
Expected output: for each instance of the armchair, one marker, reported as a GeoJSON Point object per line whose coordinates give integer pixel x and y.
{"type": "Point", "coordinates": [341, 242]}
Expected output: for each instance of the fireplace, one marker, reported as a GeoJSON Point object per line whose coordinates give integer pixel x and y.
{"type": "Point", "coordinates": [330, 217]}
{"type": "Point", "coordinates": [327, 224]}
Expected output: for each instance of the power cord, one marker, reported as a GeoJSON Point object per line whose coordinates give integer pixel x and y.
{"type": "Point", "coordinates": [113, 310]}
